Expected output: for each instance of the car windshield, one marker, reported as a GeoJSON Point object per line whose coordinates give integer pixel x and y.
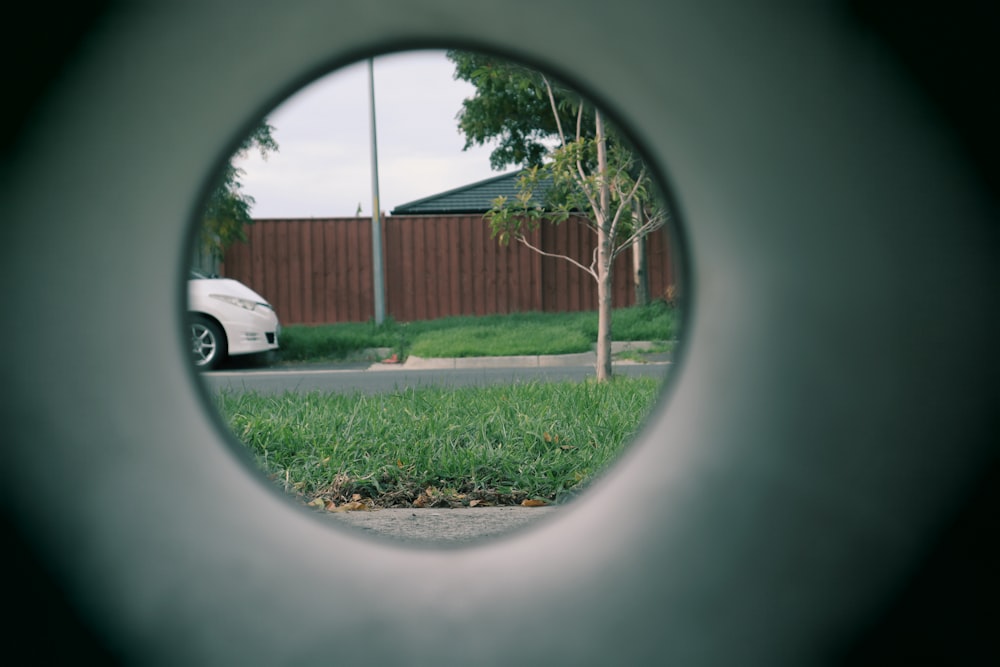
{"type": "Point", "coordinates": [196, 276]}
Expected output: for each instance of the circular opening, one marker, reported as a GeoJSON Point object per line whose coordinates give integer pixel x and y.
{"type": "Point", "coordinates": [434, 295]}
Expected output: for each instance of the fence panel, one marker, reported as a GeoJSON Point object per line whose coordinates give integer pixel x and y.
{"type": "Point", "coordinates": [320, 271]}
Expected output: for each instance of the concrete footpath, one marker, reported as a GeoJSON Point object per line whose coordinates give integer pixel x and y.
{"type": "Point", "coordinates": [441, 527]}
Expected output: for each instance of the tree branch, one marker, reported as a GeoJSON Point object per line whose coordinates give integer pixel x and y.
{"type": "Point", "coordinates": [590, 270]}
{"type": "Point", "coordinates": [623, 199]}
{"type": "Point", "coordinates": [555, 111]}
{"type": "Point", "coordinates": [649, 227]}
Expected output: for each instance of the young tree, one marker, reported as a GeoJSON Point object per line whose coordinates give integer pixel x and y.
{"type": "Point", "coordinates": [591, 176]}
{"type": "Point", "coordinates": [227, 210]}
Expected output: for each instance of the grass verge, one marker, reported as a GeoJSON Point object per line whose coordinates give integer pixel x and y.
{"type": "Point", "coordinates": [493, 335]}
{"type": "Point", "coordinates": [495, 445]}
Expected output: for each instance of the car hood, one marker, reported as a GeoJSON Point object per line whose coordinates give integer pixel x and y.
{"type": "Point", "coordinates": [226, 286]}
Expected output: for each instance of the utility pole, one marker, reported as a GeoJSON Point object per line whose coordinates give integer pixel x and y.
{"type": "Point", "coordinates": [640, 265]}
{"type": "Point", "coordinates": [378, 277]}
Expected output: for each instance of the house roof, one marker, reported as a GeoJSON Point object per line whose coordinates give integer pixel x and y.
{"type": "Point", "coordinates": [473, 198]}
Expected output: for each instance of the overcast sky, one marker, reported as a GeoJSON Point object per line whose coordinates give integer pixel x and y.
{"type": "Point", "coordinates": [323, 165]}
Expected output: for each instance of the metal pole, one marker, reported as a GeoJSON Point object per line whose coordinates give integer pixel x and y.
{"type": "Point", "coordinates": [378, 278]}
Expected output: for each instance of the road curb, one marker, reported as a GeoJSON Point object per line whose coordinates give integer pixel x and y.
{"type": "Point", "coordinates": [517, 361]}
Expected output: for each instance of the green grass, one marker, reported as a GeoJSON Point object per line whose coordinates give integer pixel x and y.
{"type": "Point", "coordinates": [450, 447]}
{"type": "Point", "coordinates": [489, 445]}
{"type": "Point", "coordinates": [502, 339]}
{"type": "Point", "coordinates": [494, 335]}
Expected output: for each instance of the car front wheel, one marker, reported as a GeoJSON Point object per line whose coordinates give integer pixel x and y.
{"type": "Point", "coordinates": [208, 343]}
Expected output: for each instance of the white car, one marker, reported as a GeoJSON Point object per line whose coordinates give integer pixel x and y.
{"type": "Point", "coordinates": [227, 318]}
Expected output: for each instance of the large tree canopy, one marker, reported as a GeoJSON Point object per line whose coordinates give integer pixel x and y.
{"type": "Point", "coordinates": [227, 210]}
{"type": "Point", "coordinates": [512, 108]}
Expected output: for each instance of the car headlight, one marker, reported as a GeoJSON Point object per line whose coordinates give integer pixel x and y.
{"type": "Point", "coordinates": [237, 301]}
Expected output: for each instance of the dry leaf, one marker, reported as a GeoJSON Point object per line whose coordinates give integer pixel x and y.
{"type": "Point", "coordinates": [316, 502]}
{"type": "Point", "coordinates": [352, 506]}
{"type": "Point", "coordinates": [475, 503]}
{"type": "Point", "coordinates": [548, 438]}
{"type": "Point", "coordinates": [531, 502]}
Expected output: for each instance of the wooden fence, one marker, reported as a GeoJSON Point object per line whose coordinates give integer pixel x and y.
{"type": "Point", "coordinates": [318, 271]}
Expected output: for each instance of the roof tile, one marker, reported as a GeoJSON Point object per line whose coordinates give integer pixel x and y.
{"type": "Point", "coordinates": [473, 198]}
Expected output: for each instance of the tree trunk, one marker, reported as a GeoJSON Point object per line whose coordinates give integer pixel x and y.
{"type": "Point", "coordinates": [604, 274]}
{"type": "Point", "coordinates": [604, 294]}
{"type": "Point", "coordinates": [206, 260]}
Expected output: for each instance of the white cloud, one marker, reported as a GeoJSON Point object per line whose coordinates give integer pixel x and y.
{"type": "Point", "coordinates": [323, 166]}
